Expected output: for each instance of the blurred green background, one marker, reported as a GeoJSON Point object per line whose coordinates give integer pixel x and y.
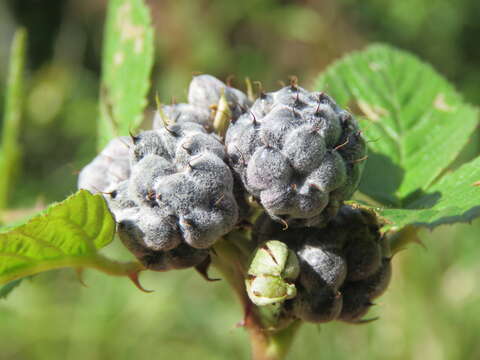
{"type": "Point", "coordinates": [432, 309]}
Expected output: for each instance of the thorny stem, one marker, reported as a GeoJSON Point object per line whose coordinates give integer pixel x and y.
{"type": "Point", "coordinates": [232, 261]}
{"type": "Point", "coordinates": [97, 261]}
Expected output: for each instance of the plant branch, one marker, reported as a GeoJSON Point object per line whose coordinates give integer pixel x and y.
{"type": "Point", "coordinates": [97, 261]}
{"type": "Point", "coordinates": [10, 154]}
{"type": "Point", "coordinates": [231, 260]}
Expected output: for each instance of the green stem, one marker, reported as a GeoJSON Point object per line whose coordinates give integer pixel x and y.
{"type": "Point", "coordinates": [272, 345]}
{"type": "Point", "coordinates": [97, 261]}
{"type": "Point", "coordinates": [11, 123]}
{"type": "Point", "coordinates": [232, 263]}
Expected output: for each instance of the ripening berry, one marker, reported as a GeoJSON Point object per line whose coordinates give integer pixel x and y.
{"type": "Point", "coordinates": [298, 154]}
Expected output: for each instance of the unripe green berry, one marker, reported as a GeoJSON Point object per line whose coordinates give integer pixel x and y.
{"type": "Point", "coordinates": [271, 274]}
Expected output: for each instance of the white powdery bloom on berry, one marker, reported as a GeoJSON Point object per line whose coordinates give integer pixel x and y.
{"type": "Point", "coordinates": [343, 266]}
{"type": "Point", "coordinates": [203, 97]}
{"type": "Point", "coordinates": [298, 154]}
{"type": "Point", "coordinates": [182, 113]}
{"type": "Point", "coordinates": [205, 91]}
{"type": "Point", "coordinates": [109, 168]}
{"type": "Point", "coordinates": [182, 189]}
{"type": "Point", "coordinates": [175, 198]}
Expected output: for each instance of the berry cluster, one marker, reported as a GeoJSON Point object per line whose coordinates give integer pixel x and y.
{"type": "Point", "coordinates": [177, 189]}
{"type": "Point", "coordinates": [203, 96]}
{"type": "Point", "coordinates": [108, 169]}
{"type": "Point", "coordinates": [182, 190]}
{"type": "Point", "coordinates": [174, 198]}
{"type": "Point", "coordinates": [298, 153]}
{"type": "Point", "coordinates": [343, 266]}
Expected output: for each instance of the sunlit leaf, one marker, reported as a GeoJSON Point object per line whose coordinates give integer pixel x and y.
{"type": "Point", "coordinates": [415, 121]}
{"type": "Point", "coordinates": [10, 147]}
{"type": "Point", "coordinates": [128, 52]}
{"type": "Point", "coordinates": [455, 198]}
{"type": "Point", "coordinates": [69, 233]}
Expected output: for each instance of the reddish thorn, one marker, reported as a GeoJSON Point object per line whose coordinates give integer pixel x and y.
{"type": "Point", "coordinates": [241, 323]}
{"type": "Point", "coordinates": [202, 269]}
{"type": "Point", "coordinates": [241, 155]}
{"type": "Point", "coordinates": [229, 80]}
{"type": "Point", "coordinates": [293, 82]}
{"type": "Point", "coordinates": [170, 131]}
{"type": "Point", "coordinates": [254, 118]}
{"type": "Point", "coordinates": [186, 147]}
{"type": "Point", "coordinates": [219, 200]}
{"type": "Point", "coordinates": [134, 277]}
{"type": "Point", "coordinates": [360, 160]}
{"type": "Point", "coordinates": [246, 314]}
{"type": "Point", "coordinates": [79, 272]}
{"type": "Point", "coordinates": [365, 321]}
{"type": "Point", "coordinates": [342, 145]}
{"type": "Point", "coordinates": [133, 137]}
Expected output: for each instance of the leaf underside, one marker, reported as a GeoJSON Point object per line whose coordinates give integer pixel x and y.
{"type": "Point", "coordinates": [416, 125]}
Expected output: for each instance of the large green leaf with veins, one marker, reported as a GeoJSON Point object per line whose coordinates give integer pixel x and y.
{"type": "Point", "coordinates": [455, 198]}
{"type": "Point", "coordinates": [68, 234]}
{"type": "Point", "coordinates": [415, 121]}
{"type": "Point", "coordinates": [416, 125]}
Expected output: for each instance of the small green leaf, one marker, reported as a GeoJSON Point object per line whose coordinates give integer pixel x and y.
{"type": "Point", "coordinates": [455, 198]}
{"type": "Point", "coordinates": [11, 149]}
{"type": "Point", "coordinates": [127, 62]}
{"type": "Point", "coordinates": [416, 123]}
{"type": "Point", "coordinates": [68, 234]}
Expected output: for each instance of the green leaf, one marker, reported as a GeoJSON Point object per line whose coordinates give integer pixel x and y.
{"type": "Point", "coordinates": [128, 53]}
{"type": "Point", "coordinates": [455, 198]}
{"type": "Point", "coordinates": [68, 234]}
{"type": "Point", "coordinates": [11, 149]}
{"type": "Point", "coordinates": [416, 123]}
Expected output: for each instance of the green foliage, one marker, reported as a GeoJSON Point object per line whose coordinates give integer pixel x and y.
{"type": "Point", "coordinates": [10, 148]}
{"type": "Point", "coordinates": [455, 198]}
{"type": "Point", "coordinates": [67, 234]}
{"type": "Point", "coordinates": [417, 125]}
{"type": "Point", "coordinates": [126, 65]}
{"type": "Point", "coordinates": [53, 315]}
